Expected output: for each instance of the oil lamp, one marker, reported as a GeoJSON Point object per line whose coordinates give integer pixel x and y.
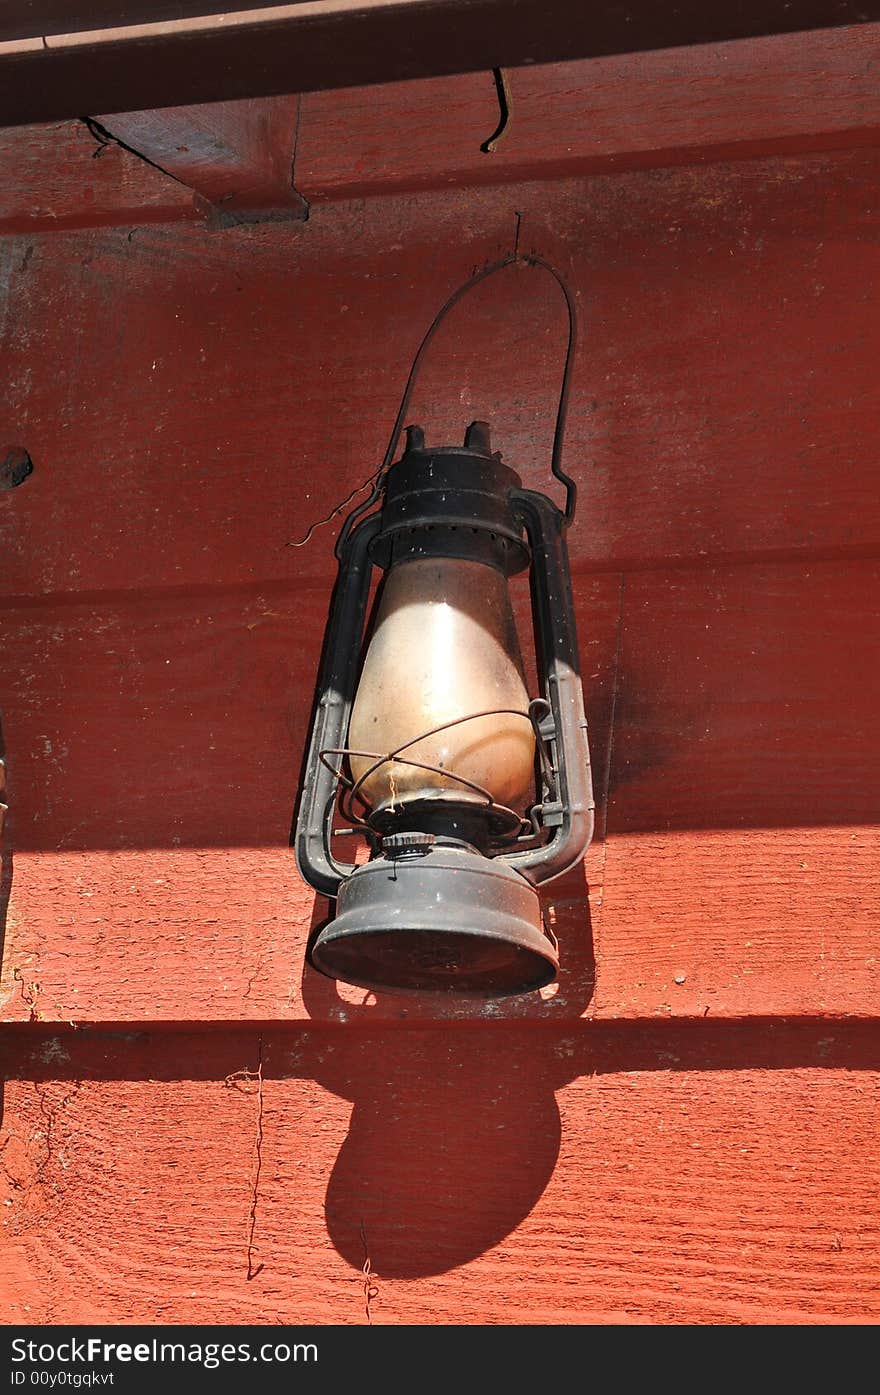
{"type": "Point", "coordinates": [469, 793]}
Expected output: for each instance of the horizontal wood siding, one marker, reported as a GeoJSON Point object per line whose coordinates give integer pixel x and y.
{"type": "Point", "coordinates": [490, 1174]}
{"type": "Point", "coordinates": [684, 1129]}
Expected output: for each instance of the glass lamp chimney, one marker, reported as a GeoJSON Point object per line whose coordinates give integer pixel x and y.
{"type": "Point", "coordinates": [445, 649]}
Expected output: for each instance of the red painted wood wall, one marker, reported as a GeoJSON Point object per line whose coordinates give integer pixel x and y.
{"type": "Point", "coordinates": [198, 1128]}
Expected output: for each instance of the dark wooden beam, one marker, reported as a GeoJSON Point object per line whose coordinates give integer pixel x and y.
{"type": "Point", "coordinates": [62, 59]}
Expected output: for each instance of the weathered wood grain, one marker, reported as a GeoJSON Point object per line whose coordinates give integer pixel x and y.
{"type": "Point", "coordinates": [192, 402]}
{"type": "Point", "coordinates": [724, 923]}
{"type": "Point", "coordinates": [690, 1174]}
{"type": "Point", "coordinates": [736, 100]}
{"type": "Point", "coordinates": [268, 49]}
{"type": "Point", "coordinates": [58, 176]}
{"type": "Point", "coordinates": [746, 696]}
{"type": "Point", "coordinates": [743, 720]}
{"type": "Point", "coordinates": [774, 95]}
{"type": "Point", "coordinates": [727, 922]}
{"type": "Point", "coordinates": [236, 156]}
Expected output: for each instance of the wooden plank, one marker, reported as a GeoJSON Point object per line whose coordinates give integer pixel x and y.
{"type": "Point", "coordinates": [738, 100]}
{"type": "Point", "coordinates": [727, 1174]}
{"type": "Point", "coordinates": [728, 922]}
{"type": "Point", "coordinates": [745, 698]}
{"type": "Point", "coordinates": [236, 156]}
{"type": "Point", "coordinates": [780, 94]}
{"type": "Point", "coordinates": [154, 751]}
{"type": "Point", "coordinates": [57, 176]}
{"type": "Point", "coordinates": [743, 731]}
{"type": "Point", "coordinates": [198, 55]}
{"type": "Point", "coordinates": [262, 372]}
{"type": "Point", "coordinates": [157, 721]}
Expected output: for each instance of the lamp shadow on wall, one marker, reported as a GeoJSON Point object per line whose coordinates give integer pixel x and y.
{"type": "Point", "coordinates": [448, 1150]}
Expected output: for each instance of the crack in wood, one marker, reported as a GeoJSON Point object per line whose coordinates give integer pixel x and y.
{"type": "Point", "coordinates": [238, 1080]}
{"type": "Point", "coordinates": [49, 1113]}
{"type": "Point", "coordinates": [371, 1291]}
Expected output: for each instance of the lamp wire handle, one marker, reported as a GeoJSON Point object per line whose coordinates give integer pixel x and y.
{"type": "Point", "coordinates": [512, 259]}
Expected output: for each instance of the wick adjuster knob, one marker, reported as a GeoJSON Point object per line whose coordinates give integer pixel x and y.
{"type": "Point", "coordinates": [398, 844]}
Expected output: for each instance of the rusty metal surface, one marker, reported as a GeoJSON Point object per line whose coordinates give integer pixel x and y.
{"type": "Point", "coordinates": [437, 919]}
{"type": "Point", "coordinates": [61, 60]}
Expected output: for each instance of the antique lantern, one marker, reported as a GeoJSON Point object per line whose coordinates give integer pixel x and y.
{"type": "Point", "coordinates": [469, 793]}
